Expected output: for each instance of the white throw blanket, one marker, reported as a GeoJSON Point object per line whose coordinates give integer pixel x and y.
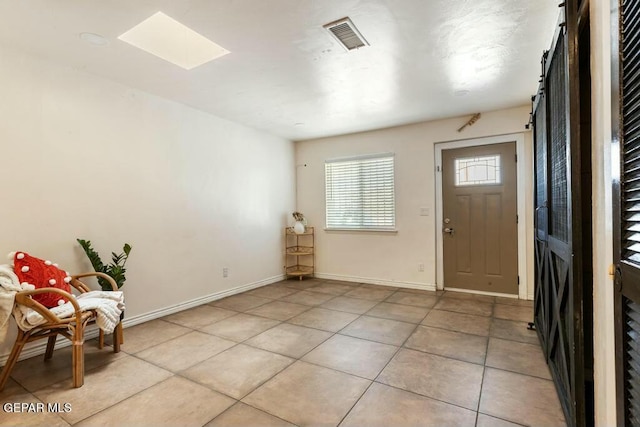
{"type": "Point", "coordinates": [108, 306]}
{"type": "Point", "coordinates": [9, 285]}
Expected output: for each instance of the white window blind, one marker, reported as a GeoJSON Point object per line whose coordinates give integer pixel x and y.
{"type": "Point", "coordinates": [360, 193]}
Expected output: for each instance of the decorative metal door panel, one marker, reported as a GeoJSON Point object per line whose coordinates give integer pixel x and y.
{"type": "Point", "coordinates": [560, 265]}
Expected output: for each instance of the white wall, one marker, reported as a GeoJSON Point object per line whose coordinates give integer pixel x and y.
{"type": "Point", "coordinates": [389, 258]}
{"type": "Point", "coordinates": [84, 157]}
{"type": "Point", "coordinates": [603, 331]}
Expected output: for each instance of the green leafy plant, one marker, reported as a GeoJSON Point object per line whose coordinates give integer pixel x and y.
{"type": "Point", "coordinates": [115, 269]}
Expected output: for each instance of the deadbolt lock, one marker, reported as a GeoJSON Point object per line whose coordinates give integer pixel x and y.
{"type": "Point", "coordinates": [447, 220]}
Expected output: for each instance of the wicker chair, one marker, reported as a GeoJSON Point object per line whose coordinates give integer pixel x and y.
{"type": "Point", "coordinates": [72, 328]}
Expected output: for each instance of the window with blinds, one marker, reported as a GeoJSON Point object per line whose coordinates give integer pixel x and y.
{"type": "Point", "coordinates": [360, 193]}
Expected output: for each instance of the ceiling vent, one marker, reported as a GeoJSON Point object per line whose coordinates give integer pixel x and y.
{"type": "Point", "coordinates": [346, 33]}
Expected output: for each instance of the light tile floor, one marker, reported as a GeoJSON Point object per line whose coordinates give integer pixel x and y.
{"type": "Point", "coordinates": [312, 352]}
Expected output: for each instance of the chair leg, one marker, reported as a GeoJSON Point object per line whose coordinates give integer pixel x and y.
{"type": "Point", "coordinates": [77, 357]}
{"type": "Point", "coordinates": [100, 339]}
{"type": "Point", "coordinates": [50, 347]}
{"type": "Point", "coordinates": [117, 338]}
{"type": "Point", "coordinates": [21, 340]}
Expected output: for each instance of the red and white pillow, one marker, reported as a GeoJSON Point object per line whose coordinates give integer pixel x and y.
{"type": "Point", "coordinates": [36, 273]}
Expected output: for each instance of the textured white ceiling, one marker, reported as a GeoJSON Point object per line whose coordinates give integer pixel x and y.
{"type": "Point", "coordinates": [428, 59]}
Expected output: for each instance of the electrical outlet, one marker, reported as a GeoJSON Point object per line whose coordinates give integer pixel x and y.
{"type": "Point", "coordinates": [225, 272]}
{"type": "Point", "coordinates": [420, 267]}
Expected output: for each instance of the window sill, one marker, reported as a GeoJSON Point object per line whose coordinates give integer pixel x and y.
{"type": "Point", "coordinates": [361, 230]}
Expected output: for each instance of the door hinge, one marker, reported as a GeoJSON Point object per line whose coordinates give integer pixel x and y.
{"type": "Point", "coordinates": [517, 219]}
{"type": "Point", "coordinates": [617, 278]}
{"type": "Point", "coordinates": [437, 168]}
{"type": "Point", "coordinates": [516, 158]}
{"type": "Point", "coordinates": [518, 280]}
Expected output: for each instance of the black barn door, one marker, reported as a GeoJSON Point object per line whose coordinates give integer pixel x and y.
{"type": "Point", "coordinates": [562, 308]}
{"type": "Point", "coordinates": [542, 312]}
{"type": "Point", "coordinates": [626, 192]}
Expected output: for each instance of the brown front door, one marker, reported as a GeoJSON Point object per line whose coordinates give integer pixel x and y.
{"type": "Point", "coordinates": [480, 236]}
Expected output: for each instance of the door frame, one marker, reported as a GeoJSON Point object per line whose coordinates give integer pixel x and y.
{"type": "Point", "coordinates": [523, 289]}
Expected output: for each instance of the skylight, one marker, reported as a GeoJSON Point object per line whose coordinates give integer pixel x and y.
{"type": "Point", "coordinates": [172, 41]}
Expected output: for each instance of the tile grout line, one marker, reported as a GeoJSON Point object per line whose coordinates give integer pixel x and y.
{"type": "Point", "coordinates": [435, 399]}
{"type": "Point", "coordinates": [445, 357]}
{"type": "Point", "coordinates": [502, 419]}
{"type": "Point", "coordinates": [334, 333]}
{"type": "Point", "coordinates": [484, 370]}
{"type": "Point", "coordinates": [126, 398]}
{"type": "Point", "coordinates": [484, 367]}
{"type": "Point", "coordinates": [238, 402]}
{"type": "Point", "coordinates": [379, 373]}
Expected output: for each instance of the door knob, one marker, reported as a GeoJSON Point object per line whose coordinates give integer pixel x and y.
{"type": "Point", "coordinates": [448, 230]}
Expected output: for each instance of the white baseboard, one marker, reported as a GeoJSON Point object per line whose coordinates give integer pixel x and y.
{"type": "Point", "coordinates": [373, 281]}
{"type": "Point", "coordinates": [37, 348]}
{"type": "Point", "coordinates": [141, 318]}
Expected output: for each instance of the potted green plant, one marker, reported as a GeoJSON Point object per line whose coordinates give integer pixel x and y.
{"type": "Point", "coordinates": [116, 269]}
